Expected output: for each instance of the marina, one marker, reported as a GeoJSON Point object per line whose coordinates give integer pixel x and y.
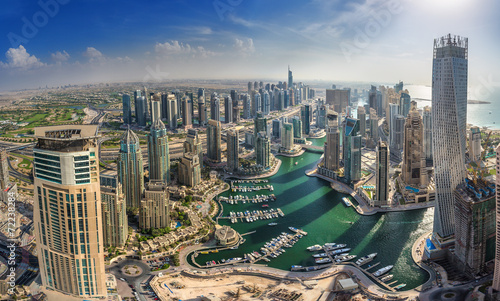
{"type": "Point", "coordinates": [311, 205]}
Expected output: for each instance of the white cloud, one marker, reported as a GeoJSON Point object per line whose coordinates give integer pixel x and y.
{"type": "Point", "coordinates": [244, 47]}
{"type": "Point", "coordinates": [94, 55]}
{"type": "Point", "coordinates": [20, 58]}
{"type": "Point", "coordinates": [59, 56]}
{"type": "Point", "coordinates": [179, 48]}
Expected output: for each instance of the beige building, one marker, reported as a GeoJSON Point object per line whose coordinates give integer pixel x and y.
{"type": "Point", "coordinates": [154, 211]}
{"type": "Point", "coordinates": [114, 216]}
{"type": "Point", "coordinates": [189, 170]}
{"type": "Point", "coordinates": [338, 98]}
{"type": "Point", "coordinates": [67, 210]}
{"type": "Point", "coordinates": [226, 236]}
{"type": "Point", "coordinates": [474, 143]}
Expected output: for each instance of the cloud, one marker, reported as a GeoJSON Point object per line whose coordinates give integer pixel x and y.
{"type": "Point", "coordinates": [59, 56]}
{"type": "Point", "coordinates": [179, 48]}
{"type": "Point", "coordinates": [20, 58]}
{"type": "Point", "coordinates": [244, 47]}
{"type": "Point", "coordinates": [94, 55]}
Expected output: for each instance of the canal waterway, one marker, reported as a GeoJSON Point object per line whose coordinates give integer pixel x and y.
{"type": "Point", "coordinates": [310, 204]}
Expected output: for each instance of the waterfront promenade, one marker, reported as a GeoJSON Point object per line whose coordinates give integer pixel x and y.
{"type": "Point", "coordinates": [363, 208]}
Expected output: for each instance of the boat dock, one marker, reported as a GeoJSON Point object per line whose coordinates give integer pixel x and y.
{"type": "Point", "coordinates": [376, 279]}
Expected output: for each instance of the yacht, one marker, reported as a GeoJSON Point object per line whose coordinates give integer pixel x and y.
{"type": "Point", "coordinates": [320, 255]}
{"type": "Point", "coordinates": [346, 202]}
{"type": "Point", "coordinates": [365, 259]}
{"type": "Point", "coordinates": [386, 278]}
{"type": "Point", "coordinates": [400, 286]}
{"type": "Point", "coordinates": [272, 224]}
{"type": "Point", "coordinates": [345, 258]}
{"type": "Point", "coordinates": [382, 271]}
{"type": "Point", "coordinates": [335, 247]}
{"type": "Point", "coordinates": [322, 260]}
{"type": "Point", "coordinates": [339, 251]}
{"type": "Point", "coordinates": [314, 248]}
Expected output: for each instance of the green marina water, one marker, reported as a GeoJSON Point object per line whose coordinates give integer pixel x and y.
{"type": "Point", "coordinates": [310, 204]}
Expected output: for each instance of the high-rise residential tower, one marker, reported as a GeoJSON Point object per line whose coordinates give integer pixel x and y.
{"type": "Point", "coordinates": [496, 275]}
{"type": "Point", "coordinates": [215, 107]}
{"type": "Point", "coordinates": [474, 143]}
{"type": "Point", "coordinates": [114, 216]}
{"type": "Point", "coordinates": [233, 142]}
{"type": "Point", "coordinates": [214, 141]}
{"type": "Point", "coordinates": [449, 117]}
{"type": "Point", "coordinates": [193, 145]}
{"type": "Point", "coordinates": [158, 152]}
{"type": "Point", "coordinates": [67, 213]}
{"type": "Point", "coordinates": [141, 107]}
{"type": "Point", "coordinates": [154, 212]}
{"type": "Point", "coordinates": [290, 78]}
{"type": "Point", "coordinates": [332, 143]}
{"type": "Point", "coordinates": [413, 169]}
{"type": "Point", "coordinates": [130, 168]}
{"type": "Point", "coordinates": [287, 136]}
{"type": "Point", "coordinates": [362, 121]}
{"type": "Point", "coordinates": [228, 109]}
{"type": "Point", "coordinates": [351, 150]}
{"type": "Point", "coordinates": [127, 109]}
{"type": "Point", "coordinates": [263, 150]}
{"type": "Point", "coordinates": [382, 182]}
{"type": "Point", "coordinates": [427, 119]}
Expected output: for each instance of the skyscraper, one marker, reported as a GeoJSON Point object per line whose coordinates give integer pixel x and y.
{"type": "Point", "coordinates": [236, 107]}
{"type": "Point", "coordinates": [141, 108]}
{"type": "Point", "coordinates": [193, 145]}
{"type": "Point", "coordinates": [263, 150]}
{"type": "Point", "coordinates": [187, 117]}
{"type": "Point", "coordinates": [156, 107]}
{"type": "Point", "coordinates": [256, 103]}
{"type": "Point", "coordinates": [496, 275]}
{"type": "Point", "coordinates": [114, 216]}
{"type": "Point", "coordinates": [190, 169]}
{"type": "Point", "coordinates": [413, 170]}
{"type": "Point", "coordinates": [449, 116]}
{"type": "Point", "coordinates": [305, 113]}
{"type": "Point", "coordinates": [351, 150]}
{"type": "Point", "coordinates": [172, 112]}
{"type": "Point", "coordinates": [332, 143]}
{"type": "Point", "coordinates": [362, 121]}
{"type": "Point", "coordinates": [228, 109]}
{"type": "Point", "coordinates": [202, 111]}
{"type": "Point", "coordinates": [214, 107]}
{"type": "Point", "coordinates": [297, 127]}
{"type": "Point", "coordinates": [154, 212]}
{"type": "Point", "coordinates": [338, 98]}
{"type": "Point", "coordinates": [158, 152]}
{"type": "Point", "coordinates": [405, 104]}
{"type": "Point", "coordinates": [130, 169]}
{"type": "Point", "coordinates": [287, 136]}
{"type": "Point", "coordinates": [233, 142]}
{"type": "Point", "coordinates": [382, 182]}
{"type": "Point", "coordinates": [427, 118]}
{"type": "Point", "coordinates": [247, 114]}
{"type": "Point", "coordinates": [260, 124]}
{"type": "Point", "coordinates": [266, 102]}
{"type": "Point", "coordinates": [290, 78]}
{"type": "Point", "coordinates": [475, 216]}
{"type": "Point", "coordinates": [214, 141]}
{"type": "Point", "coordinates": [474, 143]}
{"type": "Point", "coordinates": [276, 128]}
{"type": "Point", "coordinates": [67, 210]}
{"type": "Point", "coordinates": [127, 109]}
{"type": "Point", "coordinates": [373, 125]}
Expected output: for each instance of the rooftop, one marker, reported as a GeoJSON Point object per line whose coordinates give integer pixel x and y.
{"type": "Point", "coordinates": [67, 131]}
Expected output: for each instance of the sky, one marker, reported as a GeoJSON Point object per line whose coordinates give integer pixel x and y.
{"type": "Point", "coordinates": [60, 42]}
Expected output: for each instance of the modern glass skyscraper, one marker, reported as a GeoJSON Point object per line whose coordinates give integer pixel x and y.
{"type": "Point", "coordinates": [214, 141]}
{"type": "Point", "coordinates": [233, 142]}
{"type": "Point", "coordinates": [290, 78]}
{"type": "Point", "coordinates": [263, 150]}
{"type": "Point", "coordinates": [305, 114]}
{"type": "Point", "coordinates": [449, 116]}
{"type": "Point", "coordinates": [351, 150]}
{"type": "Point", "coordinates": [67, 213]}
{"type": "Point", "coordinates": [158, 153]}
{"type": "Point", "coordinates": [382, 181]}
{"type": "Point", "coordinates": [141, 106]}
{"type": "Point", "coordinates": [130, 169]}
{"type": "Point", "coordinates": [114, 216]}
{"type": "Point", "coordinates": [228, 109]}
{"type": "Point", "coordinates": [215, 107]}
{"type": "Point", "coordinates": [127, 109]}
